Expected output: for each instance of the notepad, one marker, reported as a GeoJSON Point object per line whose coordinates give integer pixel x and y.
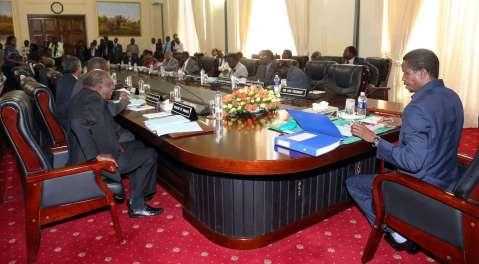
{"type": "Point", "coordinates": [140, 108]}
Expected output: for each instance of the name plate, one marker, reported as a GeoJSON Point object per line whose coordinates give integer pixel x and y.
{"type": "Point", "coordinates": [185, 110]}
{"type": "Point", "coordinates": [292, 91]}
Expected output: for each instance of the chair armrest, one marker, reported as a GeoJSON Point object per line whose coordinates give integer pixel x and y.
{"type": "Point", "coordinates": [421, 187]}
{"type": "Point", "coordinates": [58, 148]}
{"type": "Point", "coordinates": [95, 166]}
{"type": "Point", "coordinates": [377, 92]}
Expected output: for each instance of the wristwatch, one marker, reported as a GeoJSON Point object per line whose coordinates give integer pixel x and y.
{"type": "Point", "coordinates": [376, 141]}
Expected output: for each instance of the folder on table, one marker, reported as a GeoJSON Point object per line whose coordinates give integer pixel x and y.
{"type": "Point", "coordinates": [319, 134]}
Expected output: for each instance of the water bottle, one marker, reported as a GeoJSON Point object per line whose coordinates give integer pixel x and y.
{"type": "Point", "coordinates": [276, 86]}
{"type": "Point", "coordinates": [114, 78]}
{"type": "Point", "coordinates": [150, 70]}
{"type": "Point", "coordinates": [135, 67]}
{"type": "Point", "coordinates": [141, 88]}
{"type": "Point", "coordinates": [362, 105]}
{"type": "Point", "coordinates": [129, 65]}
{"type": "Point", "coordinates": [276, 80]}
{"type": "Point", "coordinates": [162, 71]}
{"type": "Point", "coordinates": [202, 77]}
{"type": "Point", "coordinates": [233, 82]}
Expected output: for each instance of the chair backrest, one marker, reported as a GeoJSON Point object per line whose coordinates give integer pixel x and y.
{"type": "Point", "coordinates": [3, 79]}
{"type": "Point", "coordinates": [318, 70]}
{"type": "Point", "coordinates": [384, 68]}
{"type": "Point", "coordinates": [287, 61]}
{"type": "Point", "coordinates": [22, 131]}
{"type": "Point", "coordinates": [251, 65]}
{"type": "Point", "coordinates": [337, 59]}
{"type": "Point", "coordinates": [468, 185]}
{"type": "Point", "coordinates": [301, 60]}
{"type": "Point", "coordinates": [43, 100]}
{"type": "Point", "coordinates": [208, 64]}
{"type": "Point", "coordinates": [19, 71]}
{"type": "Point", "coordinates": [345, 79]}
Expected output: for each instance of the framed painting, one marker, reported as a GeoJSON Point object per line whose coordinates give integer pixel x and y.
{"type": "Point", "coordinates": [6, 20]}
{"type": "Point", "coordinates": [119, 19]}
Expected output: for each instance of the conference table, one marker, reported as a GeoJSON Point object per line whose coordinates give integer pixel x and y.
{"type": "Point", "coordinates": [235, 186]}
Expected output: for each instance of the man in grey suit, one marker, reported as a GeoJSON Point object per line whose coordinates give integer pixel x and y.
{"type": "Point", "coordinates": [294, 76]}
{"type": "Point", "coordinates": [170, 63]}
{"type": "Point", "coordinates": [190, 66]}
{"type": "Point", "coordinates": [71, 71]}
{"type": "Point", "coordinates": [92, 135]}
{"type": "Point", "coordinates": [265, 71]}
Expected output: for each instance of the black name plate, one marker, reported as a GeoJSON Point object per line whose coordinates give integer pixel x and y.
{"type": "Point", "coordinates": [292, 91]}
{"type": "Point", "coordinates": [185, 110]}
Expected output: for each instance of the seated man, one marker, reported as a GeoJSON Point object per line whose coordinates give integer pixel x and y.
{"type": "Point", "coordinates": [71, 71]}
{"type": "Point", "coordinates": [92, 136]}
{"type": "Point", "coordinates": [350, 56]}
{"type": "Point", "coordinates": [315, 55]}
{"type": "Point", "coordinates": [235, 68]}
{"type": "Point", "coordinates": [190, 66]}
{"type": "Point", "coordinates": [147, 59]}
{"type": "Point", "coordinates": [170, 63]}
{"type": "Point", "coordinates": [431, 127]}
{"type": "Point", "coordinates": [294, 76]}
{"type": "Point", "coordinates": [265, 71]}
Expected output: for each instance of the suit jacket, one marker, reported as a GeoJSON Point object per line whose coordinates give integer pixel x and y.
{"type": "Point", "coordinates": [430, 132]}
{"type": "Point", "coordinates": [63, 94]}
{"type": "Point", "coordinates": [265, 73]}
{"type": "Point", "coordinates": [297, 78]}
{"type": "Point", "coordinates": [116, 53]}
{"type": "Point", "coordinates": [171, 65]}
{"type": "Point", "coordinates": [191, 66]}
{"type": "Point", "coordinates": [91, 128]}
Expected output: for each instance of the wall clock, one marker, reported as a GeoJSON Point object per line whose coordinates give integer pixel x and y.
{"type": "Point", "coordinates": [56, 8]}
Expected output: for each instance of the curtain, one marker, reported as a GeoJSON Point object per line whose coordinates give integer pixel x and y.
{"type": "Point", "coordinates": [200, 12]}
{"type": "Point", "coordinates": [244, 21]}
{"type": "Point", "coordinates": [186, 27]}
{"type": "Point", "coordinates": [458, 54]}
{"type": "Point", "coordinates": [172, 15]}
{"type": "Point", "coordinates": [298, 13]}
{"type": "Point", "coordinates": [401, 16]}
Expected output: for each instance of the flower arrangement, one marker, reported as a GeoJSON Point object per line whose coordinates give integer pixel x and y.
{"type": "Point", "coordinates": [250, 100]}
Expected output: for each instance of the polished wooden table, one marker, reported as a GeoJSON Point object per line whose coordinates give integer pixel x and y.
{"type": "Point", "coordinates": [241, 192]}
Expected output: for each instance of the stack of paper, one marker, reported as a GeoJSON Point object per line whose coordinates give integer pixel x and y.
{"type": "Point", "coordinates": [172, 124]}
{"type": "Point", "coordinates": [138, 105]}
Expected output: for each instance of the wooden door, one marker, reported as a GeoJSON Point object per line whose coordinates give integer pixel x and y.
{"type": "Point", "coordinates": [70, 29]}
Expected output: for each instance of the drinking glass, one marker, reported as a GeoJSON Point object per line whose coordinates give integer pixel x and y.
{"type": "Point", "coordinates": [147, 88]}
{"type": "Point", "coordinates": [177, 93]}
{"type": "Point", "coordinates": [218, 105]}
{"type": "Point", "coordinates": [114, 78]}
{"type": "Point", "coordinates": [212, 106]}
{"type": "Point", "coordinates": [172, 96]}
{"type": "Point", "coordinates": [350, 106]}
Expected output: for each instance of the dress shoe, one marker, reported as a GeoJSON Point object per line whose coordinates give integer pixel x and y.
{"type": "Point", "coordinates": [409, 246]}
{"type": "Point", "coordinates": [145, 211]}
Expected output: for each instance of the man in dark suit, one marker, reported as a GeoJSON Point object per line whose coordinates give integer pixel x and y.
{"type": "Point", "coordinates": [116, 51]}
{"type": "Point", "coordinates": [105, 48]}
{"type": "Point", "coordinates": [431, 127]}
{"type": "Point", "coordinates": [92, 135]}
{"type": "Point", "coordinates": [190, 64]}
{"type": "Point", "coordinates": [350, 56]}
{"type": "Point", "coordinates": [294, 76]}
{"type": "Point", "coordinates": [92, 51]}
{"type": "Point", "coordinates": [265, 71]}
{"type": "Point", "coordinates": [71, 71]}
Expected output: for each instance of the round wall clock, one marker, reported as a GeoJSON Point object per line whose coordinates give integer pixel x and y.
{"type": "Point", "coordinates": [56, 7]}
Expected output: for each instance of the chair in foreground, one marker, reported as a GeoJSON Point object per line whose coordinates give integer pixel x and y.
{"type": "Point", "coordinates": [443, 223]}
{"type": "Point", "coordinates": [51, 195]}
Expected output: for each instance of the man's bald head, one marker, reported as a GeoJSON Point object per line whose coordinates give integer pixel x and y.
{"type": "Point", "coordinates": [99, 81]}
{"type": "Point", "coordinates": [97, 63]}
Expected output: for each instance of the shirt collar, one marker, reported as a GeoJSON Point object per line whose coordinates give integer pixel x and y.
{"type": "Point", "coordinates": [427, 87]}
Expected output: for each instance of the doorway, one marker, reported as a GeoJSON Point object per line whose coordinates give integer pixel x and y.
{"type": "Point", "coordinates": [69, 28]}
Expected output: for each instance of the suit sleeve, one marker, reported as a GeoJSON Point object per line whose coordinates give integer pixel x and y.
{"type": "Point", "coordinates": [116, 107]}
{"type": "Point", "coordinates": [411, 153]}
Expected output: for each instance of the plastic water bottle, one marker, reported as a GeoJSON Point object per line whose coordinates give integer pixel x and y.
{"type": "Point", "coordinates": [276, 86]}
{"type": "Point", "coordinates": [362, 105]}
{"type": "Point", "coordinates": [276, 80]}
{"type": "Point", "coordinates": [233, 82]}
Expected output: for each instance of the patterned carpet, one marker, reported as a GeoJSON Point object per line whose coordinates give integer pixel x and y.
{"type": "Point", "coordinates": [170, 239]}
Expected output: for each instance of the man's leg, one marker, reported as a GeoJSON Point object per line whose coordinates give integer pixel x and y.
{"type": "Point", "coordinates": [360, 189]}
{"type": "Point", "coordinates": [140, 162]}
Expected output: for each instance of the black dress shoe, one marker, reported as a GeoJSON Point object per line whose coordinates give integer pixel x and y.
{"type": "Point", "coordinates": [408, 246]}
{"type": "Point", "coordinates": [145, 211]}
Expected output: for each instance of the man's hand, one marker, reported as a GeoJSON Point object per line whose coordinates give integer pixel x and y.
{"type": "Point", "coordinates": [392, 121]}
{"type": "Point", "coordinates": [124, 98]}
{"type": "Point", "coordinates": [106, 157]}
{"type": "Point", "coordinates": [363, 132]}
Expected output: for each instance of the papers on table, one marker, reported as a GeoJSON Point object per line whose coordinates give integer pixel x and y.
{"type": "Point", "coordinates": [156, 115]}
{"type": "Point", "coordinates": [135, 102]}
{"type": "Point", "coordinates": [138, 105]}
{"type": "Point", "coordinates": [172, 124]}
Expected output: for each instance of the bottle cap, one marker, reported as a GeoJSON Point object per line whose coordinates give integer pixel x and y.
{"type": "Point", "coordinates": [362, 94]}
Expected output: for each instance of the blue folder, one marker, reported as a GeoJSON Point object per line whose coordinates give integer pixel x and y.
{"type": "Point", "coordinates": [319, 134]}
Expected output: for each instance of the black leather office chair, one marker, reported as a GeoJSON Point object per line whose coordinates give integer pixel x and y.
{"type": "Point", "coordinates": [44, 111]}
{"type": "Point", "coordinates": [302, 60]}
{"type": "Point", "coordinates": [344, 80]}
{"type": "Point", "coordinates": [317, 71]}
{"type": "Point", "coordinates": [444, 223]}
{"type": "Point", "coordinates": [384, 68]}
{"type": "Point", "coordinates": [337, 59]}
{"type": "Point", "coordinates": [251, 65]}
{"type": "Point", "coordinates": [210, 65]}
{"type": "Point", "coordinates": [50, 195]}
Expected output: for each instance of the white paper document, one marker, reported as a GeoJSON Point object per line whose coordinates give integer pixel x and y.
{"type": "Point", "coordinates": [136, 102]}
{"type": "Point", "coordinates": [172, 124]}
{"type": "Point", "coordinates": [302, 136]}
{"type": "Point", "coordinates": [156, 115]}
{"type": "Point", "coordinates": [140, 108]}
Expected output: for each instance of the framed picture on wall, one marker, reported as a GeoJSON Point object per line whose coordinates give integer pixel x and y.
{"type": "Point", "coordinates": [119, 18]}
{"type": "Point", "coordinates": [6, 20]}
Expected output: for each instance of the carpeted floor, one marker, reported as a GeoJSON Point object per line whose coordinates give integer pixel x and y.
{"type": "Point", "coordinates": [170, 239]}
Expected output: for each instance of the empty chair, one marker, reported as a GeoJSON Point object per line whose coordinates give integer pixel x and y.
{"type": "Point", "coordinates": [384, 68]}
{"type": "Point", "coordinates": [251, 65]}
{"type": "Point", "coordinates": [301, 60]}
{"type": "Point", "coordinates": [318, 73]}
{"type": "Point", "coordinates": [50, 195]}
{"type": "Point", "coordinates": [442, 222]}
{"type": "Point", "coordinates": [344, 80]}
{"type": "Point", "coordinates": [337, 59]}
